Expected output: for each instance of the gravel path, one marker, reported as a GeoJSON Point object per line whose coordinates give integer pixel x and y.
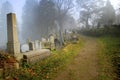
{"type": "Point", "coordinates": [85, 64]}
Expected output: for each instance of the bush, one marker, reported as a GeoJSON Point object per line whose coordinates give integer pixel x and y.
{"type": "Point", "coordinates": [111, 50]}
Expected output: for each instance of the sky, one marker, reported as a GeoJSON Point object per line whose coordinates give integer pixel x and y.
{"type": "Point", "coordinates": [115, 3]}
{"type": "Point", "coordinates": [18, 6]}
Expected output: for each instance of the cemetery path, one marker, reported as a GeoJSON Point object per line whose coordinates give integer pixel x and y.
{"type": "Point", "coordinates": [85, 65]}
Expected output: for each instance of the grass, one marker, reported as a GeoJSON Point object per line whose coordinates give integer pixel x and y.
{"type": "Point", "coordinates": [48, 68]}
{"type": "Point", "coordinates": [110, 51]}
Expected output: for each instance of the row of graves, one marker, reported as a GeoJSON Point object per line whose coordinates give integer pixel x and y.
{"type": "Point", "coordinates": [30, 52]}
{"type": "Point", "coordinates": [15, 55]}
{"type": "Point", "coordinates": [39, 49]}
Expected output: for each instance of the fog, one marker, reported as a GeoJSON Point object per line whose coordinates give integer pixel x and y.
{"type": "Point", "coordinates": [40, 18]}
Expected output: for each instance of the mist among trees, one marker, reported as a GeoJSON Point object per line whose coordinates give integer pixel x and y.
{"type": "Point", "coordinates": [40, 18]}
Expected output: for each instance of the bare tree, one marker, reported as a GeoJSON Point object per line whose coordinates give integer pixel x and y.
{"type": "Point", "coordinates": [63, 7]}
{"type": "Point", "coordinates": [88, 9]}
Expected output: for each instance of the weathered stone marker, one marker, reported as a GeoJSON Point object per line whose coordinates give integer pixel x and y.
{"type": "Point", "coordinates": [31, 46]}
{"type": "Point", "coordinates": [52, 44]}
{"type": "Point", "coordinates": [13, 46]}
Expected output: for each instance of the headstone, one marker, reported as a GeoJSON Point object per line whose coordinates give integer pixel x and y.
{"type": "Point", "coordinates": [24, 48]}
{"type": "Point", "coordinates": [37, 46]}
{"type": "Point", "coordinates": [57, 43]}
{"type": "Point", "coordinates": [31, 46]}
{"type": "Point", "coordinates": [52, 45]}
{"type": "Point", "coordinates": [44, 40]}
{"type": "Point", "coordinates": [51, 39]}
{"type": "Point", "coordinates": [40, 46]}
{"type": "Point", "coordinates": [13, 46]}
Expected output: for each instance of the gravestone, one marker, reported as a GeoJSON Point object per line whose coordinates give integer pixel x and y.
{"type": "Point", "coordinates": [37, 45]}
{"type": "Point", "coordinates": [40, 46]}
{"type": "Point", "coordinates": [43, 43]}
{"type": "Point", "coordinates": [31, 46]}
{"type": "Point", "coordinates": [51, 40]}
{"type": "Point", "coordinates": [57, 43]}
{"type": "Point", "coordinates": [24, 48]}
{"type": "Point", "coordinates": [44, 40]}
{"type": "Point", "coordinates": [13, 46]}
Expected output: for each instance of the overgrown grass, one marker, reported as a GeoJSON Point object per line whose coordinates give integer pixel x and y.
{"type": "Point", "coordinates": [109, 58]}
{"type": "Point", "coordinates": [46, 69]}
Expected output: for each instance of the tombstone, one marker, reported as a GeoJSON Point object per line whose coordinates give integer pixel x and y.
{"type": "Point", "coordinates": [57, 43]}
{"type": "Point", "coordinates": [44, 40]}
{"type": "Point", "coordinates": [43, 43]}
{"type": "Point", "coordinates": [13, 46]}
{"type": "Point", "coordinates": [31, 46]}
{"type": "Point", "coordinates": [40, 46]}
{"type": "Point", "coordinates": [37, 46]}
{"type": "Point", "coordinates": [51, 40]}
{"type": "Point", "coordinates": [24, 48]}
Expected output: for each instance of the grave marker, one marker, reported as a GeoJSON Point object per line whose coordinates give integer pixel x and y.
{"type": "Point", "coordinates": [13, 46]}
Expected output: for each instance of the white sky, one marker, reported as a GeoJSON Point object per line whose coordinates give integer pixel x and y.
{"type": "Point", "coordinates": [18, 6]}
{"type": "Point", "coordinates": [115, 3]}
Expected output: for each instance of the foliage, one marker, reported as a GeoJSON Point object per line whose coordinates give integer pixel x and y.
{"type": "Point", "coordinates": [105, 31]}
{"type": "Point", "coordinates": [46, 69]}
{"type": "Point", "coordinates": [109, 58]}
{"type": "Point", "coordinates": [3, 55]}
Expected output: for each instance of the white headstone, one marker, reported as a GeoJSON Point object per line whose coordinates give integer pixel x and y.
{"type": "Point", "coordinates": [24, 48]}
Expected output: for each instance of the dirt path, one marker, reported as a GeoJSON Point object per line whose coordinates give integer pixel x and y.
{"type": "Point", "coordinates": [85, 64]}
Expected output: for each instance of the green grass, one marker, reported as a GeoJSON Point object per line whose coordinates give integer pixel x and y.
{"type": "Point", "coordinates": [48, 68]}
{"type": "Point", "coordinates": [110, 51]}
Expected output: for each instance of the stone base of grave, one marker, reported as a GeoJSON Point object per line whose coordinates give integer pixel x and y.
{"type": "Point", "coordinates": [35, 56]}
{"type": "Point", "coordinates": [19, 56]}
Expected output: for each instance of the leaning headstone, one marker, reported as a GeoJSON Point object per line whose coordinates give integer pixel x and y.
{"type": "Point", "coordinates": [31, 46]}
